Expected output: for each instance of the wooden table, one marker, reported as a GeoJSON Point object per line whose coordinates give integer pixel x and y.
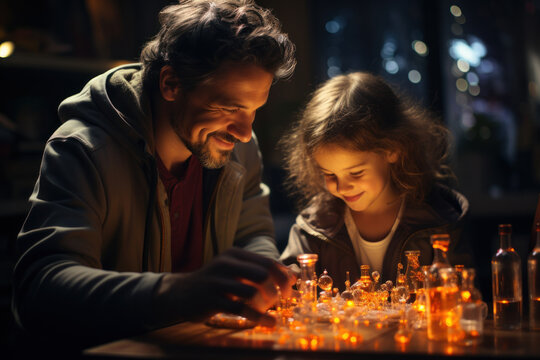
{"type": "Point", "coordinates": [199, 341]}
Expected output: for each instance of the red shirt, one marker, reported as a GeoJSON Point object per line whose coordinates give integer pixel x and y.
{"type": "Point", "coordinates": [184, 190]}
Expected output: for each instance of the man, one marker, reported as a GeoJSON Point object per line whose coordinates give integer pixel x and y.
{"type": "Point", "coordinates": [152, 176]}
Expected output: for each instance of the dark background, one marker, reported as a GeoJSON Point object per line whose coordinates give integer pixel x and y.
{"type": "Point", "coordinates": [481, 74]}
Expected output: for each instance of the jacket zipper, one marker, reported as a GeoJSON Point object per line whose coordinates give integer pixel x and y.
{"type": "Point", "coordinates": [209, 219]}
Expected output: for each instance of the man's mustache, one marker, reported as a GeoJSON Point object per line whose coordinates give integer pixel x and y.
{"type": "Point", "coordinates": [225, 136]}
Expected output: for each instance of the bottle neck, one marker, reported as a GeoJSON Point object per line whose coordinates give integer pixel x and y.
{"type": "Point", "coordinates": [506, 240]}
{"type": "Point", "coordinates": [467, 283]}
{"type": "Point", "coordinates": [439, 256]}
{"type": "Point", "coordinates": [537, 246]}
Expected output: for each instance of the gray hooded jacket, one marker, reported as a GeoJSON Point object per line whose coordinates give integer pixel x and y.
{"type": "Point", "coordinates": [96, 239]}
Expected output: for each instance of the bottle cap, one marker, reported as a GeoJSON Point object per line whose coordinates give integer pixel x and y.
{"type": "Point", "coordinates": [505, 229]}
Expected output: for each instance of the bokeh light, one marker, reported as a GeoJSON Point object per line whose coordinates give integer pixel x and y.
{"type": "Point", "coordinates": [414, 76]}
{"type": "Point", "coordinates": [455, 10]}
{"type": "Point", "coordinates": [420, 47]}
{"type": "Point", "coordinates": [6, 49]}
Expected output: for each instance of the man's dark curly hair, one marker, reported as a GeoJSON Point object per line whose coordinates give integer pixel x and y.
{"type": "Point", "coordinates": [198, 36]}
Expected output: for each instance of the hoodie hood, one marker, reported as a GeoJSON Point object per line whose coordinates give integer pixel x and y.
{"type": "Point", "coordinates": [116, 102]}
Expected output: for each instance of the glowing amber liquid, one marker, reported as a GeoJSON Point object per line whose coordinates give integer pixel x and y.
{"type": "Point", "coordinates": [534, 313]}
{"type": "Point", "coordinates": [440, 317]}
{"type": "Point", "coordinates": [507, 314]}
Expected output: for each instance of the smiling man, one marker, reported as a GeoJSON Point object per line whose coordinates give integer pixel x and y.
{"type": "Point", "coordinates": [149, 207]}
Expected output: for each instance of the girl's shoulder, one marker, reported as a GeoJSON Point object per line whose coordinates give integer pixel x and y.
{"type": "Point", "coordinates": [324, 213]}
{"type": "Point", "coordinates": [442, 205]}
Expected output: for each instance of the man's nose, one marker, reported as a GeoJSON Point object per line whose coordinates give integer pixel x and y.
{"type": "Point", "coordinates": [241, 127]}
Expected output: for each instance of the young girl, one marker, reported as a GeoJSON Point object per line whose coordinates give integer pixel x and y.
{"type": "Point", "coordinates": [368, 166]}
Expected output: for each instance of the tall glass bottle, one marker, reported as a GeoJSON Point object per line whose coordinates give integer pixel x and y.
{"type": "Point", "coordinates": [533, 267]}
{"type": "Point", "coordinates": [442, 290]}
{"type": "Point", "coordinates": [506, 283]}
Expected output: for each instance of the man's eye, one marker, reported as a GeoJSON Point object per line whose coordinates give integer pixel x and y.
{"type": "Point", "coordinates": [230, 111]}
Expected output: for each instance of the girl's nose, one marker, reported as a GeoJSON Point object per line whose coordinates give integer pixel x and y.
{"type": "Point", "coordinates": [344, 187]}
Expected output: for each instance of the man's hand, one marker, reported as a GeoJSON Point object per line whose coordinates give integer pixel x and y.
{"type": "Point", "coordinates": [237, 282]}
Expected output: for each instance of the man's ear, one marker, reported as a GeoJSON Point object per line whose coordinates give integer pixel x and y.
{"type": "Point", "coordinates": [392, 156]}
{"type": "Point", "coordinates": [169, 85]}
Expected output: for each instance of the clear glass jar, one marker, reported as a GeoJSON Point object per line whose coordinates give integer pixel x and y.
{"type": "Point", "coordinates": [308, 278]}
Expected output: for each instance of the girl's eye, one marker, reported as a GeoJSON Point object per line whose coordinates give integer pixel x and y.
{"type": "Point", "coordinates": [358, 173]}
{"type": "Point", "coordinates": [330, 176]}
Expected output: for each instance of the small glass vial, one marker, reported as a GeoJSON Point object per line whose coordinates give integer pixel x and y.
{"type": "Point", "coordinates": [366, 283]}
{"type": "Point", "coordinates": [533, 269]}
{"type": "Point", "coordinates": [506, 283]}
{"type": "Point", "coordinates": [411, 273]}
{"type": "Point", "coordinates": [308, 279]}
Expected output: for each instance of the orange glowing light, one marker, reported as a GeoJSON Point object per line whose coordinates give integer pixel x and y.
{"type": "Point", "coordinates": [466, 295]}
{"type": "Point", "coordinates": [345, 336]}
{"type": "Point", "coordinates": [441, 245]}
{"type": "Point", "coordinates": [379, 325]}
{"type": "Point", "coordinates": [354, 339]}
{"type": "Point", "coordinates": [366, 322]}
{"type": "Point", "coordinates": [350, 303]}
{"type": "Point", "coordinates": [314, 343]}
{"type": "Point", "coordinates": [474, 333]}
{"type": "Point", "coordinates": [403, 339]}
{"type": "Point", "coordinates": [422, 308]}
{"type": "Point", "coordinates": [336, 320]}
{"type": "Point", "coordinates": [303, 343]}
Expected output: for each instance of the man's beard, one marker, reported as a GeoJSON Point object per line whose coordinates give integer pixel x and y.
{"type": "Point", "coordinates": [202, 150]}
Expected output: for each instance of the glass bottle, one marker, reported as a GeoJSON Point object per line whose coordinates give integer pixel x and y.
{"type": "Point", "coordinates": [533, 268]}
{"type": "Point", "coordinates": [473, 309]}
{"type": "Point", "coordinates": [441, 295]}
{"type": "Point", "coordinates": [366, 283]}
{"type": "Point", "coordinates": [506, 283]}
{"type": "Point", "coordinates": [411, 273]}
{"type": "Point", "coordinates": [308, 279]}
{"type": "Point", "coordinates": [469, 293]}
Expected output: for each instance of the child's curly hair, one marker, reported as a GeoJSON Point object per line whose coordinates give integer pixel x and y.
{"type": "Point", "coordinates": [360, 111]}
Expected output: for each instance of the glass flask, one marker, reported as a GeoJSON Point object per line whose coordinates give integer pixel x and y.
{"type": "Point", "coordinates": [325, 281]}
{"type": "Point", "coordinates": [366, 283]}
{"type": "Point", "coordinates": [533, 268]}
{"type": "Point", "coordinates": [441, 290]}
{"type": "Point", "coordinates": [308, 280]}
{"type": "Point", "coordinates": [411, 273]}
{"type": "Point", "coordinates": [506, 283]}
{"type": "Point", "coordinates": [473, 310]}
{"type": "Point", "coordinates": [347, 294]}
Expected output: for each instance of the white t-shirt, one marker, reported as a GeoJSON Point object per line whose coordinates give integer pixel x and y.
{"type": "Point", "coordinates": [369, 252]}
